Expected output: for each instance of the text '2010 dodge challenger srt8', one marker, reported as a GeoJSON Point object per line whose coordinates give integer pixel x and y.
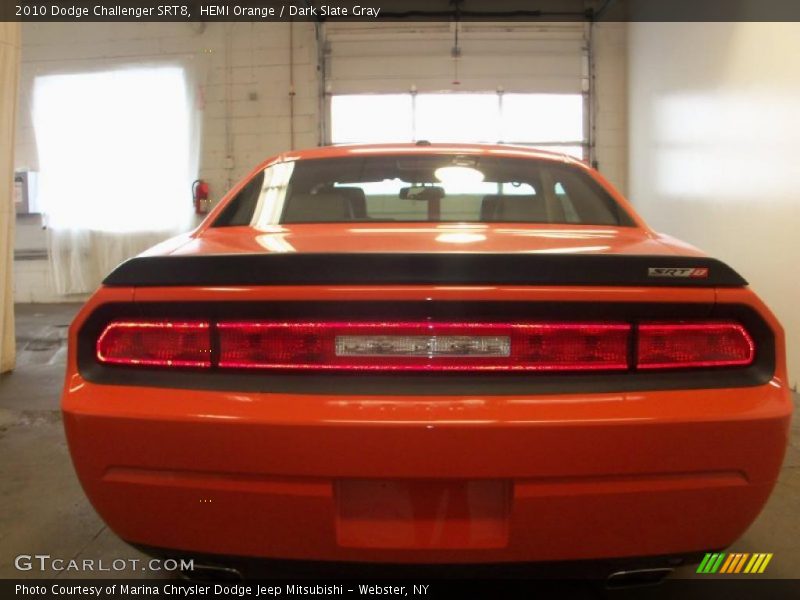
{"type": "Point", "coordinates": [426, 354]}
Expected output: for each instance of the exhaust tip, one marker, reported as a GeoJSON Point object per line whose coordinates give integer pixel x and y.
{"type": "Point", "coordinates": [638, 577]}
{"type": "Point", "coordinates": [208, 573]}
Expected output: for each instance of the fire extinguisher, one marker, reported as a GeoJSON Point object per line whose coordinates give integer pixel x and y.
{"type": "Point", "coordinates": [200, 197]}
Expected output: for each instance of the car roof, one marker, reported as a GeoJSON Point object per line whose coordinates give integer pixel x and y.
{"type": "Point", "coordinates": [504, 150]}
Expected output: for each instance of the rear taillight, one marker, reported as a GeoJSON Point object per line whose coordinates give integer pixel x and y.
{"type": "Point", "coordinates": [426, 345]}
{"type": "Point", "coordinates": [693, 345]}
{"type": "Point", "coordinates": [156, 343]}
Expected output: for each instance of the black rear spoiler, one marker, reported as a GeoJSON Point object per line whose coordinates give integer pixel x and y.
{"type": "Point", "coordinates": [424, 269]}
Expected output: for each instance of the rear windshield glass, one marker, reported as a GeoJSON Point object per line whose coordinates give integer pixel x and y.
{"type": "Point", "coordinates": [433, 188]}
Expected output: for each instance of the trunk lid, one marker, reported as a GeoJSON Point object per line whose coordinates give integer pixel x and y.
{"type": "Point", "coordinates": [433, 238]}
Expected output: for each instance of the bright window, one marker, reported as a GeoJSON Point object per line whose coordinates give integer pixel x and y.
{"type": "Point", "coordinates": [457, 117]}
{"type": "Point", "coordinates": [114, 149]}
{"type": "Point", "coordinates": [371, 119]}
{"type": "Point", "coordinates": [547, 121]}
{"type": "Point", "coordinates": [532, 118]}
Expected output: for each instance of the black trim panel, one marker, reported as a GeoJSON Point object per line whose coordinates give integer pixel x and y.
{"type": "Point", "coordinates": [445, 384]}
{"type": "Point", "coordinates": [458, 574]}
{"type": "Point", "coordinates": [422, 269]}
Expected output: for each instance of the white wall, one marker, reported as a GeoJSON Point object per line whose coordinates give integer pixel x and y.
{"type": "Point", "coordinates": [714, 130]}
{"type": "Point", "coordinates": [245, 59]}
{"type": "Point", "coordinates": [9, 73]}
{"type": "Point", "coordinates": [611, 102]}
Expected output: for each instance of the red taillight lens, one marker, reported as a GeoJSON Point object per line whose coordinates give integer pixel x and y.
{"type": "Point", "coordinates": [693, 345]}
{"type": "Point", "coordinates": [156, 343]}
{"type": "Point", "coordinates": [424, 346]}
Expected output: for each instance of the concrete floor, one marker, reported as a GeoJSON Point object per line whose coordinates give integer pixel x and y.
{"type": "Point", "coordinates": [43, 509]}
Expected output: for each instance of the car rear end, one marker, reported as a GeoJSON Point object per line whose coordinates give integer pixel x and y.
{"type": "Point", "coordinates": [427, 406]}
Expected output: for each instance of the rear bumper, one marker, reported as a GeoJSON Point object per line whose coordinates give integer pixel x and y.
{"type": "Point", "coordinates": [424, 479]}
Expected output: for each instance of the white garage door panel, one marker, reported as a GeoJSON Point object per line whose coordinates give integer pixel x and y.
{"type": "Point", "coordinates": [518, 60]}
{"type": "Point", "coordinates": [467, 84]}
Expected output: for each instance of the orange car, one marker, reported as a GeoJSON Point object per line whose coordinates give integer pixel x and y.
{"type": "Point", "coordinates": [426, 354]}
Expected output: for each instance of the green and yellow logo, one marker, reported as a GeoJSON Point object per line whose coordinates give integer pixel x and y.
{"type": "Point", "coordinates": [721, 562]}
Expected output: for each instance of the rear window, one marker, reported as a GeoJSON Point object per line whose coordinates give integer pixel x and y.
{"type": "Point", "coordinates": [433, 188]}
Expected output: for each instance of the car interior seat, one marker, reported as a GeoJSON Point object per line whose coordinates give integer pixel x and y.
{"type": "Point", "coordinates": [357, 199]}
{"type": "Point", "coordinates": [318, 208]}
{"type": "Point", "coordinates": [524, 209]}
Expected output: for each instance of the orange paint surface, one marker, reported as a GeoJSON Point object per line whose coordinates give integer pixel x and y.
{"type": "Point", "coordinates": [392, 477]}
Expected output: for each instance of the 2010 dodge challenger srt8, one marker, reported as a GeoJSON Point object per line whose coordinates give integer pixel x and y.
{"type": "Point", "coordinates": [426, 354]}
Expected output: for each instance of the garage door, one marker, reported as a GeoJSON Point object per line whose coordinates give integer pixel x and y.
{"type": "Point", "coordinates": [542, 58]}
{"type": "Point", "coordinates": [512, 83]}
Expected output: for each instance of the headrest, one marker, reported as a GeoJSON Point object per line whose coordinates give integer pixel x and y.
{"type": "Point", "coordinates": [317, 208]}
{"type": "Point", "coordinates": [523, 209]}
{"type": "Point", "coordinates": [357, 198]}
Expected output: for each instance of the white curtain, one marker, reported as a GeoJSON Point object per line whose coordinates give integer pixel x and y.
{"type": "Point", "coordinates": [9, 77]}
{"type": "Point", "coordinates": [118, 151]}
